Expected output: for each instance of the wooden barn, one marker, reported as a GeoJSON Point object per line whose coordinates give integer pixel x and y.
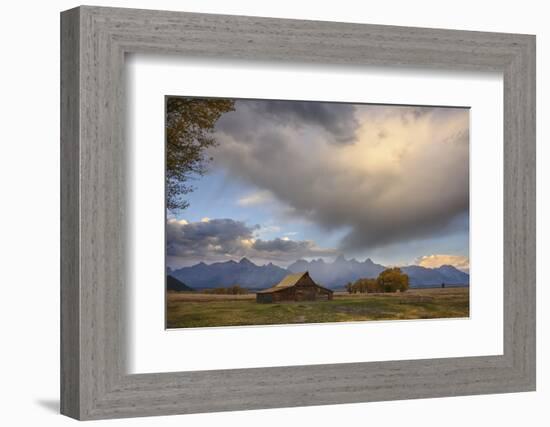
{"type": "Point", "coordinates": [295, 287]}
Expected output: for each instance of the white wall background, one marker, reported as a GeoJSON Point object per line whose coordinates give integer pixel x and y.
{"type": "Point", "coordinates": [29, 225]}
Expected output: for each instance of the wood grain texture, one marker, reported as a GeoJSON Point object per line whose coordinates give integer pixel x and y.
{"type": "Point", "coordinates": [70, 297]}
{"type": "Point", "coordinates": [94, 238]}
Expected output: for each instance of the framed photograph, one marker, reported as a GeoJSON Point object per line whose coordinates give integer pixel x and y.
{"type": "Point", "coordinates": [345, 212]}
{"type": "Point", "coordinates": [359, 178]}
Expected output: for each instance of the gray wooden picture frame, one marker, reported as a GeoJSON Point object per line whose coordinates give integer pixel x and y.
{"type": "Point", "coordinates": [94, 382]}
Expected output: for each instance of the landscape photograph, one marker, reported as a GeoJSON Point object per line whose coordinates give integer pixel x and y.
{"type": "Point", "coordinates": [282, 212]}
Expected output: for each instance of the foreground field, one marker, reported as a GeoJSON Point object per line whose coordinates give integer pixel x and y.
{"type": "Point", "coordinates": [192, 310]}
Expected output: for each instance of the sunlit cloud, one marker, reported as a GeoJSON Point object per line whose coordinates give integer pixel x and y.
{"type": "Point", "coordinates": [401, 174]}
{"type": "Point", "coordinates": [437, 260]}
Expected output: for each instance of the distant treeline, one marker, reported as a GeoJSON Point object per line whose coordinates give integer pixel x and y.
{"type": "Point", "coordinates": [231, 290]}
{"type": "Point", "coordinates": [389, 280]}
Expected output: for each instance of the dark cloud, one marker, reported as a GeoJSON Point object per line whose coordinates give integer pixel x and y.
{"type": "Point", "coordinates": [406, 177]}
{"type": "Point", "coordinates": [337, 120]}
{"type": "Point", "coordinates": [206, 238]}
{"type": "Point", "coordinates": [222, 239]}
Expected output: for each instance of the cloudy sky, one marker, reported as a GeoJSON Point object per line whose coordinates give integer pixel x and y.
{"type": "Point", "coordinates": [293, 180]}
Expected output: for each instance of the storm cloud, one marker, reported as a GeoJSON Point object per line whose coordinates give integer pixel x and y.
{"type": "Point", "coordinates": [207, 237]}
{"type": "Point", "coordinates": [222, 239]}
{"type": "Point", "coordinates": [387, 174]}
{"type": "Point", "coordinates": [336, 121]}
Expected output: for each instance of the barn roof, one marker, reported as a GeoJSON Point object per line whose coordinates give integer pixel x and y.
{"type": "Point", "coordinates": [288, 282]}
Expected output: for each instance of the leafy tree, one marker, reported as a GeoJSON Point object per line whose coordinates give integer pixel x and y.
{"type": "Point", "coordinates": [365, 285]}
{"type": "Point", "coordinates": [393, 280]}
{"type": "Point", "coordinates": [372, 286]}
{"type": "Point", "coordinates": [390, 280]}
{"type": "Point", "coordinates": [361, 285]}
{"type": "Point", "coordinates": [189, 132]}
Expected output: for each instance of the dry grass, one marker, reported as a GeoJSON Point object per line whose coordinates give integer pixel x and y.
{"type": "Point", "coordinates": [198, 297]}
{"type": "Point", "coordinates": [186, 310]}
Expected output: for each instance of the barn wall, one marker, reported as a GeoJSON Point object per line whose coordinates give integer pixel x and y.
{"type": "Point", "coordinates": [264, 298]}
{"type": "Point", "coordinates": [304, 290]}
{"type": "Point", "coordinates": [288, 294]}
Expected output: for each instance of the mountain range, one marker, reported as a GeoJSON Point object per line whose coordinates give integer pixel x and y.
{"type": "Point", "coordinates": [331, 274]}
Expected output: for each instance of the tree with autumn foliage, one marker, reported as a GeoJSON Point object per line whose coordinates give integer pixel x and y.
{"type": "Point", "coordinates": [393, 280]}
{"type": "Point", "coordinates": [190, 126]}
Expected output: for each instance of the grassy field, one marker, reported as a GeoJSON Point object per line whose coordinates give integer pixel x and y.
{"type": "Point", "coordinates": [192, 310]}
